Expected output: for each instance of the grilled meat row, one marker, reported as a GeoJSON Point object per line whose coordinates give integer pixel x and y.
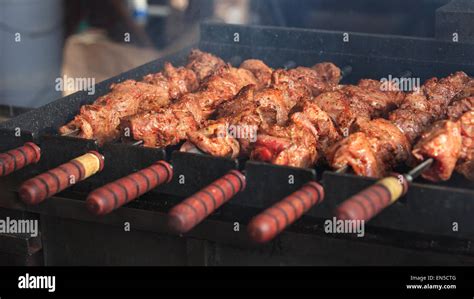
{"type": "Point", "coordinates": [169, 125]}
{"type": "Point", "coordinates": [381, 144]}
{"type": "Point", "coordinates": [101, 119]}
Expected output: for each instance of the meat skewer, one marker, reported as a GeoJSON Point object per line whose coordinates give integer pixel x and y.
{"type": "Point", "coordinates": [101, 201]}
{"type": "Point", "coordinates": [447, 143]}
{"type": "Point", "coordinates": [381, 144]}
{"type": "Point", "coordinates": [169, 125]}
{"type": "Point", "coordinates": [101, 119]}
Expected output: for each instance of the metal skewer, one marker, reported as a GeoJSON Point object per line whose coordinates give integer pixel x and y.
{"type": "Point", "coordinates": [418, 170]}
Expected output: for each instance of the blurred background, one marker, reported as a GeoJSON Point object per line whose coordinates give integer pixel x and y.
{"type": "Point", "coordinates": [42, 40]}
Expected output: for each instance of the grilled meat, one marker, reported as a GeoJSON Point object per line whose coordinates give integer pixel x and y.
{"type": "Point", "coordinates": [260, 70]}
{"type": "Point", "coordinates": [465, 164]}
{"type": "Point", "coordinates": [450, 144]}
{"type": "Point", "coordinates": [203, 64]}
{"type": "Point", "coordinates": [385, 147]}
{"type": "Point", "coordinates": [328, 118]}
{"type": "Point", "coordinates": [459, 107]}
{"type": "Point", "coordinates": [443, 143]}
{"type": "Point", "coordinates": [101, 119]}
{"type": "Point", "coordinates": [238, 121]}
{"type": "Point", "coordinates": [169, 125]}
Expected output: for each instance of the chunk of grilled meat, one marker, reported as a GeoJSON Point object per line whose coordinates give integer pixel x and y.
{"type": "Point", "coordinates": [101, 119]}
{"type": "Point", "coordinates": [451, 144]}
{"type": "Point", "coordinates": [443, 143]}
{"type": "Point", "coordinates": [391, 145]}
{"type": "Point", "coordinates": [234, 131]}
{"type": "Point", "coordinates": [459, 107]}
{"type": "Point", "coordinates": [329, 117]}
{"type": "Point", "coordinates": [170, 125]}
{"type": "Point", "coordinates": [261, 71]}
{"type": "Point", "coordinates": [465, 164]}
{"type": "Point", "coordinates": [203, 64]}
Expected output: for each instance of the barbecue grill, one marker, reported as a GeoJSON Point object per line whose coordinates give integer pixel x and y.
{"type": "Point", "coordinates": [423, 219]}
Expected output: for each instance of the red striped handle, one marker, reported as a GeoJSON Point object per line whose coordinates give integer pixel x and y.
{"type": "Point", "coordinates": [19, 157]}
{"type": "Point", "coordinates": [47, 184]}
{"type": "Point", "coordinates": [268, 224]}
{"type": "Point", "coordinates": [371, 201]}
{"type": "Point", "coordinates": [187, 214]}
{"type": "Point", "coordinates": [109, 197]}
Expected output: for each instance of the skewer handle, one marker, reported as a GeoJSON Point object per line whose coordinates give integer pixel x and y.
{"type": "Point", "coordinates": [109, 197]}
{"type": "Point", "coordinates": [268, 224]}
{"type": "Point", "coordinates": [187, 214]}
{"type": "Point", "coordinates": [371, 201]}
{"type": "Point", "coordinates": [37, 189]}
{"type": "Point", "coordinates": [18, 158]}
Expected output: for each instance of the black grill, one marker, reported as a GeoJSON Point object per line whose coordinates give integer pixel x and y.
{"type": "Point", "coordinates": [424, 218]}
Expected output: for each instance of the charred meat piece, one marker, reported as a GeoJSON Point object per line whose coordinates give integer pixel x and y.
{"type": "Point", "coordinates": [387, 141]}
{"type": "Point", "coordinates": [458, 108]}
{"type": "Point", "coordinates": [203, 64]}
{"type": "Point", "coordinates": [443, 143]}
{"type": "Point", "coordinates": [450, 144]}
{"type": "Point", "coordinates": [381, 143]}
{"type": "Point", "coordinates": [465, 164]}
{"type": "Point", "coordinates": [355, 152]}
{"type": "Point", "coordinates": [261, 71]}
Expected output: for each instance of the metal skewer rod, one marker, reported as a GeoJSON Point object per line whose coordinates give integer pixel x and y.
{"type": "Point", "coordinates": [418, 170]}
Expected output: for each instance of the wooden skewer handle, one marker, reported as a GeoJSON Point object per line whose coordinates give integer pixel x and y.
{"type": "Point", "coordinates": [18, 158]}
{"type": "Point", "coordinates": [371, 201]}
{"type": "Point", "coordinates": [109, 197]}
{"type": "Point", "coordinates": [268, 224]}
{"type": "Point", "coordinates": [37, 189]}
{"type": "Point", "coordinates": [187, 214]}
